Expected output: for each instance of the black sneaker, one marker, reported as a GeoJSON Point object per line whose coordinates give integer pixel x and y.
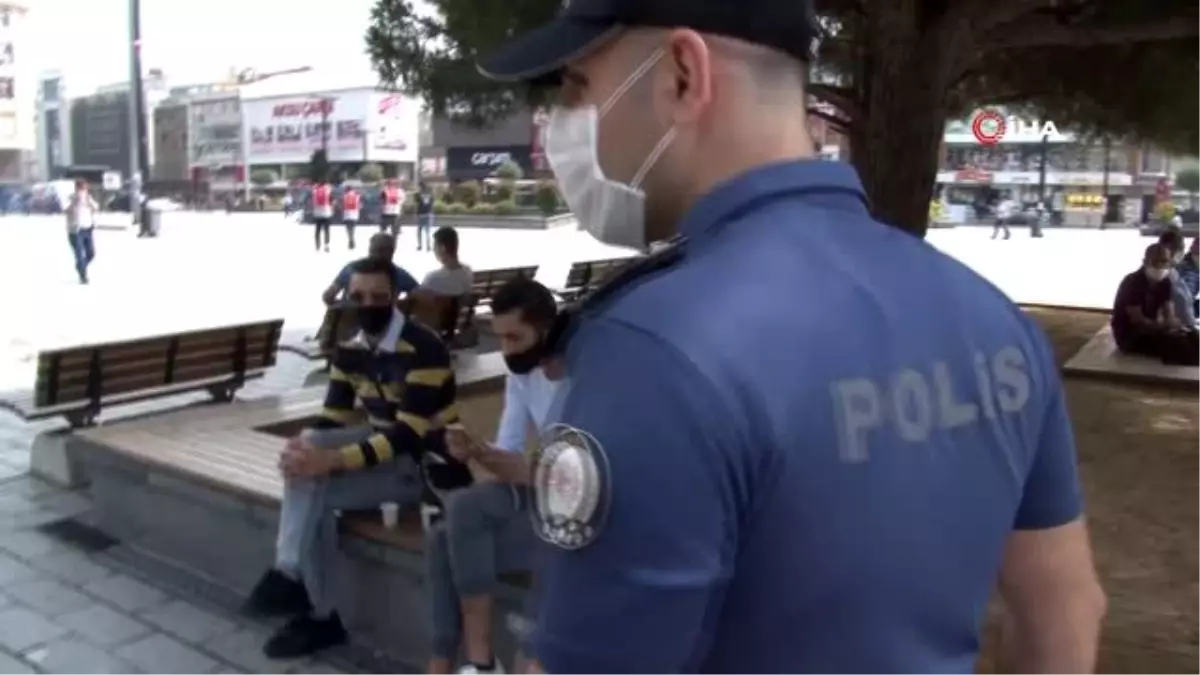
{"type": "Point", "coordinates": [277, 594]}
{"type": "Point", "coordinates": [305, 635]}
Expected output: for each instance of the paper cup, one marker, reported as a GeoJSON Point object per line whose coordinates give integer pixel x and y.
{"type": "Point", "coordinates": [391, 514]}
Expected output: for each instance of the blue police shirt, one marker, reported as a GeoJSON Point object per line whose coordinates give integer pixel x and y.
{"type": "Point", "coordinates": [400, 277]}
{"type": "Point", "coordinates": [820, 433]}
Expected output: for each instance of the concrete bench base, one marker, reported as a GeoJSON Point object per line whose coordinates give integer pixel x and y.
{"type": "Point", "coordinates": [52, 459]}
{"type": "Point", "coordinates": [1101, 359]}
{"type": "Point", "coordinates": [227, 540]}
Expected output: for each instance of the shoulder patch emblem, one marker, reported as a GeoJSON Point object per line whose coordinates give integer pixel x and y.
{"type": "Point", "coordinates": [571, 487]}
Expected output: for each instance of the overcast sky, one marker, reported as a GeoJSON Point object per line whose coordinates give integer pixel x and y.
{"type": "Point", "coordinates": [196, 41]}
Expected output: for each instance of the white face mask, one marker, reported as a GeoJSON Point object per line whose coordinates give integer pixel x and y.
{"type": "Point", "coordinates": [610, 211]}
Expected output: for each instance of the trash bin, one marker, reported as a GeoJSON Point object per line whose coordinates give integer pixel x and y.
{"type": "Point", "coordinates": [152, 217]}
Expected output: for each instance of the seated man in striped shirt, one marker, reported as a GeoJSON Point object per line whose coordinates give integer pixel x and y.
{"type": "Point", "coordinates": [399, 372]}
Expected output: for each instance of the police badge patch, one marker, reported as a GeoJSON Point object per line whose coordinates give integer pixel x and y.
{"type": "Point", "coordinates": [570, 483]}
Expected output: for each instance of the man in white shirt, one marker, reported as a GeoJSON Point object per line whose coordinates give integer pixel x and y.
{"type": "Point", "coordinates": [487, 530]}
{"type": "Point", "coordinates": [453, 278]}
{"type": "Point", "coordinates": [81, 221]}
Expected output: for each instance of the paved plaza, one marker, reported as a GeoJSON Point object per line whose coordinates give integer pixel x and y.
{"type": "Point", "coordinates": [65, 610]}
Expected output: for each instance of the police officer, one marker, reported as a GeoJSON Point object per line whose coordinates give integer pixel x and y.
{"type": "Point", "coordinates": [798, 439]}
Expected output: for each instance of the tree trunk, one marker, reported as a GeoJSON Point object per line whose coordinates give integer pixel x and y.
{"type": "Point", "coordinates": [895, 145]}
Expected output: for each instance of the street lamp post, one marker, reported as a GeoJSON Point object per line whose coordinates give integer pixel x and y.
{"type": "Point", "coordinates": [140, 157]}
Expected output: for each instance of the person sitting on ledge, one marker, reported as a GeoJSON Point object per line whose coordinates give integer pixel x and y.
{"type": "Point", "coordinates": [487, 530]}
{"type": "Point", "coordinates": [1143, 318]}
{"type": "Point", "coordinates": [382, 246]}
{"type": "Point", "coordinates": [1181, 298]}
{"type": "Point", "coordinates": [1189, 274]}
{"type": "Point", "coordinates": [400, 374]}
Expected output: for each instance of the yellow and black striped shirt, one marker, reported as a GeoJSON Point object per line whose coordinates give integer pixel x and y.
{"type": "Point", "coordinates": [405, 385]}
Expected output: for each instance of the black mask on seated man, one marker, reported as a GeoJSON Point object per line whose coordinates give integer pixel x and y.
{"type": "Point", "coordinates": [374, 319]}
{"type": "Point", "coordinates": [521, 363]}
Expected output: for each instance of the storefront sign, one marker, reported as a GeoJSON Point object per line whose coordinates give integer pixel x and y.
{"type": "Point", "coordinates": [480, 162]}
{"type": "Point", "coordinates": [352, 126]}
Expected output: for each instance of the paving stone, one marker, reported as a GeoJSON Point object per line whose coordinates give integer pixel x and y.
{"type": "Point", "coordinates": [159, 653]}
{"type": "Point", "coordinates": [316, 668]}
{"type": "Point", "coordinates": [13, 570]}
{"type": "Point", "coordinates": [48, 597]}
{"type": "Point", "coordinates": [244, 650]}
{"type": "Point", "coordinates": [10, 469]}
{"type": "Point", "coordinates": [28, 487]}
{"type": "Point", "coordinates": [22, 628]}
{"type": "Point", "coordinates": [76, 656]}
{"type": "Point", "coordinates": [66, 504]}
{"type": "Point", "coordinates": [12, 666]}
{"type": "Point", "coordinates": [71, 566]}
{"type": "Point", "coordinates": [189, 622]}
{"type": "Point", "coordinates": [30, 544]}
{"type": "Point", "coordinates": [102, 626]}
{"type": "Point", "coordinates": [16, 504]}
{"type": "Point", "coordinates": [126, 593]}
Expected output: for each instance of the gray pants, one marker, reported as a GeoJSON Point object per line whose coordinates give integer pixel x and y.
{"type": "Point", "coordinates": [486, 533]}
{"type": "Point", "coordinates": [307, 544]}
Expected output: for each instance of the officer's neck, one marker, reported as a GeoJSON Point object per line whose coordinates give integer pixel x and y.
{"type": "Point", "coordinates": [750, 146]}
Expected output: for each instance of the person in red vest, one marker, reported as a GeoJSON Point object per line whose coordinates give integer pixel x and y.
{"type": "Point", "coordinates": [322, 211]}
{"type": "Point", "coordinates": [393, 201]}
{"type": "Point", "coordinates": [351, 205]}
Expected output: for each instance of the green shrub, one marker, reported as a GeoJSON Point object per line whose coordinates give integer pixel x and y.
{"type": "Point", "coordinates": [506, 208]}
{"type": "Point", "coordinates": [457, 209]}
{"type": "Point", "coordinates": [468, 192]}
{"type": "Point", "coordinates": [438, 207]}
{"type": "Point", "coordinates": [546, 197]}
{"type": "Point", "coordinates": [509, 171]}
{"type": "Point", "coordinates": [483, 209]}
{"type": "Point", "coordinates": [502, 192]}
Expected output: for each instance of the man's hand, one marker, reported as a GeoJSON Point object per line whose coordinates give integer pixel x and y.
{"type": "Point", "coordinates": [460, 444]}
{"type": "Point", "coordinates": [300, 459]}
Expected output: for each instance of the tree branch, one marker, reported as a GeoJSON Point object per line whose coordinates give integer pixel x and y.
{"type": "Point", "coordinates": [842, 98]}
{"type": "Point", "coordinates": [1054, 34]}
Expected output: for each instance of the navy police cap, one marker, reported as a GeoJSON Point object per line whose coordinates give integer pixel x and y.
{"type": "Point", "coordinates": [789, 26]}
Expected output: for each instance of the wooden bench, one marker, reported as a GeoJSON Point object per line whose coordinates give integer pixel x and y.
{"type": "Point", "coordinates": [1099, 358]}
{"type": "Point", "coordinates": [585, 277]}
{"type": "Point", "coordinates": [197, 490]}
{"type": "Point", "coordinates": [487, 282]}
{"type": "Point", "coordinates": [77, 382]}
{"type": "Point", "coordinates": [337, 325]}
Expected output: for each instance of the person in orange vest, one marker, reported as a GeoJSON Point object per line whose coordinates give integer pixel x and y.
{"type": "Point", "coordinates": [351, 204]}
{"type": "Point", "coordinates": [393, 201]}
{"type": "Point", "coordinates": [322, 211]}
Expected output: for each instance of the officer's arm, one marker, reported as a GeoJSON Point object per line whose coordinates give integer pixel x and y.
{"type": "Point", "coordinates": [338, 410]}
{"type": "Point", "coordinates": [642, 595]}
{"type": "Point", "coordinates": [1048, 581]}
{"type": "Point", "coordinates": [428, 403]}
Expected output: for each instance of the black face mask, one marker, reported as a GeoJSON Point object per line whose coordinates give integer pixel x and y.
{"type": "Point", "coordinates": [374, 319]}
{"type": "Point", "coordinates": [524, 362]}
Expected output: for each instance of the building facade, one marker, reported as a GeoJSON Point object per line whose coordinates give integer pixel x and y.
{"type": "Point", "coordinates": [54, 129]}
{"type": "Point", "coordinates": [354, 126]}
{"type": "Point", "coordinates": [216, 149]}
{"type": "Point", "coordinates": [458, 152]}
{"type": "Point", "coordinates": [100, 131]}
{"type": "Point", "coordinates": [170, 141]}
{"type": "Point", "coordinates": [18, 96]}
{"type": "Point", "coordinates": [1085, 179]}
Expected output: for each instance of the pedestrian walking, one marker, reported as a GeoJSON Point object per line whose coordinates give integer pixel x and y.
{"type": "Point", "coordinates": [81, 225]}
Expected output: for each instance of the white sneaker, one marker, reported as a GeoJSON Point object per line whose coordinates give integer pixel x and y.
{"type": "Point", "coordinates": [472, 669]}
